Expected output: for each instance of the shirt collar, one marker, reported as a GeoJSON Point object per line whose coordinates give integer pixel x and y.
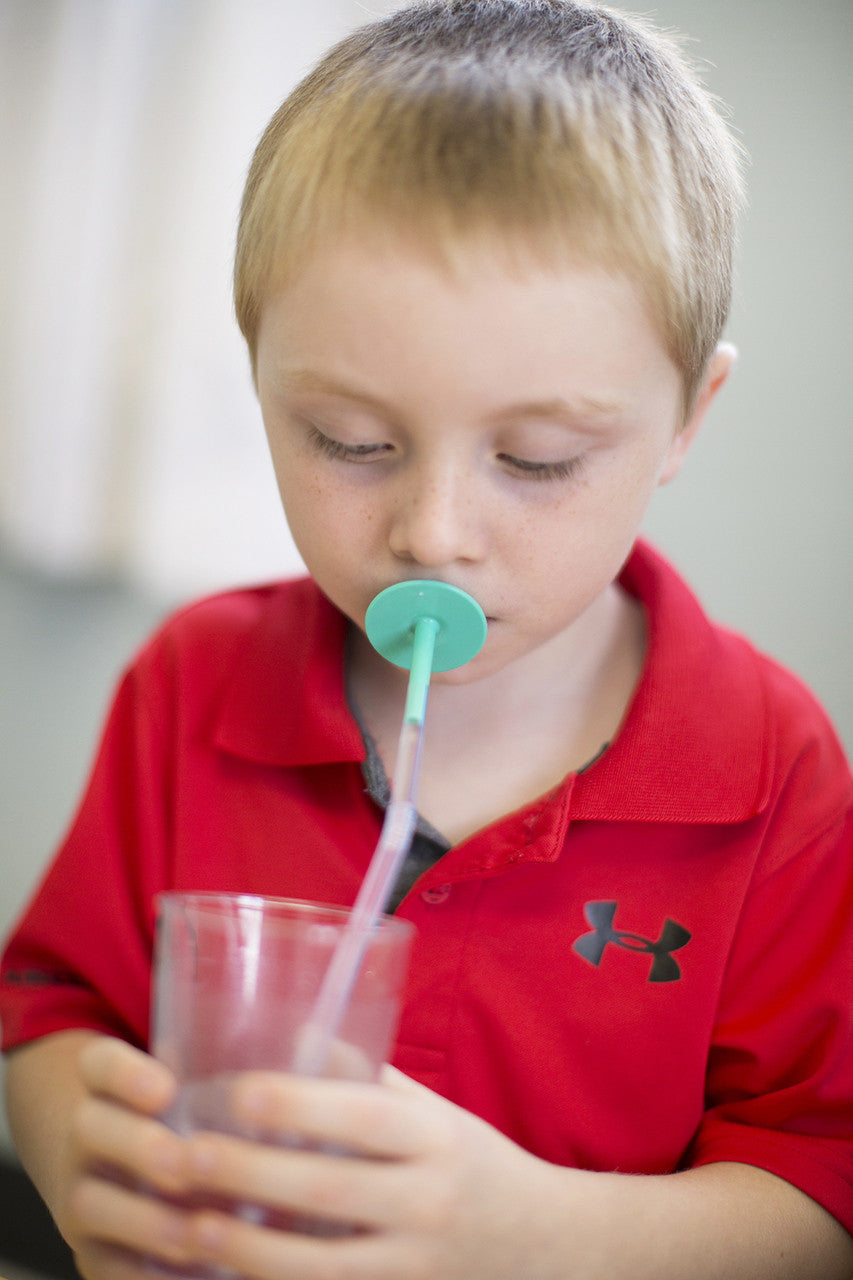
{"type": "Point", "coordinates": [708, 758]}
{"type": "Point", "coordinates": [285, 703]}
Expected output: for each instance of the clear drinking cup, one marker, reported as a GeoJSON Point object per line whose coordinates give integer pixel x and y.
{"type": "Point", "coordinates": [236, 978]}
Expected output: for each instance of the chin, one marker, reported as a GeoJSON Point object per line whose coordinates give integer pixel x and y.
{"type": "Point", "coordinates": [484, 665]}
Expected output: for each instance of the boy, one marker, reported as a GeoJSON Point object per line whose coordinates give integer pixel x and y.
{"type": "Point", "coordinates": [483, 268]}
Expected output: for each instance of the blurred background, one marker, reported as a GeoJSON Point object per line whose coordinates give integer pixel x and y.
{"type": "Point", "coordinates": [133, 470]}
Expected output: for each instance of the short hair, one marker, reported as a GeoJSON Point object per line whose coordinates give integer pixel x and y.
{"type": "Point", "coordinates": [562, 130]}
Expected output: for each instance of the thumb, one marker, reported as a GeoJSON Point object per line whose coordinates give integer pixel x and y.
{"type": "Point", "coordinates": [395, 1079]}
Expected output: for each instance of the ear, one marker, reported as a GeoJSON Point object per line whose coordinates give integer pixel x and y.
{"type": "Point", "coordinates": [719, 367]}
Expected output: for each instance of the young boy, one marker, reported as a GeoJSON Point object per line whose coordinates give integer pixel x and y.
{"type": "Point", "coordinates": [483, 269]}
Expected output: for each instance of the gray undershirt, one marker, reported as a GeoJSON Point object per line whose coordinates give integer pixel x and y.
{"type": "Point", "coordinates": [427, 846]}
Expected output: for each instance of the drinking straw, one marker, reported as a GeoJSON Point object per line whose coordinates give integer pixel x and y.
{"type": "Point", "coordinates": [406, 623]}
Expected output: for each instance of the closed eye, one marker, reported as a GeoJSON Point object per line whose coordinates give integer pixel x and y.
{"type": "Point", "coordinates": [331, 448]}
{"type": "Point", "coordinates": [562, 470]}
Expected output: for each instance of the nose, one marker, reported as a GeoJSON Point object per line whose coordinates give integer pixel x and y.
{"type": "Point", "coordinates": [437, 520]}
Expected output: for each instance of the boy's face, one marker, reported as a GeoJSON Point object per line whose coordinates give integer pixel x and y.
{"type": "Point", "coordinates": [501, 430]}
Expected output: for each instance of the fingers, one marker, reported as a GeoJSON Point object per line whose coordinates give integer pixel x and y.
{"type": "Point", "coordinates": [107, 1262]}
{"type": "Point", "coordinates": [110, 1135]}
{"type": "Point", "coordinates": [383, 1190]}
{"type": "Point", "coordinates": [372, 1171]}
{"type": "Point", "coordinates": [110, 1068]}
{"type": "Point", "coordinates": [117, 1151]}
{"type": "Point", "coordinates": [106, 1214]}
{"type": "Point", "coordinates": [321, 1186]}
{"type": "Point", "coordinates": [262, 1254]}
{"type": "Point", "coordinates": [113, 1125]}
{"type": "Point", "coordinates": [367, 1119]}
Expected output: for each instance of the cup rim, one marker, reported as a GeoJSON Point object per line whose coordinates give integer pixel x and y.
{"type": "Point", "coordinates": [225, 902]}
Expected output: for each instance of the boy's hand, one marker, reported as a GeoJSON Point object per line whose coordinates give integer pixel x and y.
{"type": "Point", "coordinates": [430, 1189]}
{"type": "Point", "coordinates": [116, 1145]}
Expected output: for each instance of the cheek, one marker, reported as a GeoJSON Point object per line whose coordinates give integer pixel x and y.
{"type": "Point", "coordinates": [327, 515]}
{"type": "Point", "coordinates": [305, 505]}
{"type": "Point", "coordinates": [301, 483]}
{"type": "Point", "coordinates": [585, 535]}
{"type": "Point", "coordinates": [620, 495]}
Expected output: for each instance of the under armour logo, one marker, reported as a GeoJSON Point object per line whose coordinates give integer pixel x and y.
{"type": "Point", "coordinates": [672, 937]}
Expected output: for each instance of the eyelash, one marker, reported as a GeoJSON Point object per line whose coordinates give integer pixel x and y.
{"type": "Point", "coordinates": [336, 449]}
{"type": "Point", "coordinates": [537, 471]}
{"type": "Point", "coordinates": [543, 471]}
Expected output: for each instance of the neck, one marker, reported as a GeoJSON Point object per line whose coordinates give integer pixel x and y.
{"type": "Point", "coordinates": [513, 734]}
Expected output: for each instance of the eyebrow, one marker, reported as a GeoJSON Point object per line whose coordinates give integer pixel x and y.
{"type": "Point", "coordinates": [562, 409]}
{"type": "Point", "coordinates": [307, 380]}
{"type": "Point", "coordinates": [556, 408]}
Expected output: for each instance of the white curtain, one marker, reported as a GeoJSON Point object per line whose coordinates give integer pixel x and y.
{"type": "Point", "coordinates": [130, 440]}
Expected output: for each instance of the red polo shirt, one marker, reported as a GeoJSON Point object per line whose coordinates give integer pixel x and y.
{"type": "Point", "coordinates": [650, 967]}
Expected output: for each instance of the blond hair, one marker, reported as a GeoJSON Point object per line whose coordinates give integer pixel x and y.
{"type": "Point", "coordinates": [558, 128]}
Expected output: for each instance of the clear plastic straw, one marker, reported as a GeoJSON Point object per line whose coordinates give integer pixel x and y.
{"type": "Point", "coordinates": [318, 1035]}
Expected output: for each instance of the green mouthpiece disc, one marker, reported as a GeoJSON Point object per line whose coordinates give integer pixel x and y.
{"type": "Point", "coordinates": [393, 615]}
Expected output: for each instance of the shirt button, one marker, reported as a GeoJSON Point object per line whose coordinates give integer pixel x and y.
{"type": "Point", "coordinates": [439, 894]}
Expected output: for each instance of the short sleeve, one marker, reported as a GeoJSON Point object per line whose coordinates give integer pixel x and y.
{"type": "Point", "coordinates": [779, 1087]}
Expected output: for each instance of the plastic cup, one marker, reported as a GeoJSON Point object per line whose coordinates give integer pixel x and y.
{"type": "Point", "coordinates": [236, 978]}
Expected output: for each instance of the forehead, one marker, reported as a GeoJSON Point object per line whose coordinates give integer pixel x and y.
{"type": "Point", "coordinates": [365, 315]}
